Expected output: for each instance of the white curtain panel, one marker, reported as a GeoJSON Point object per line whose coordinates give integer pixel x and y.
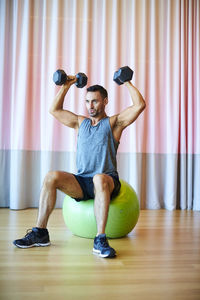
{"type": "Point", "coordinates": [159, 155]}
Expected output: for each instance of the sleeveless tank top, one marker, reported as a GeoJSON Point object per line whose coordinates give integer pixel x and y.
{"type": "Point", "coordinates": [96, 149]}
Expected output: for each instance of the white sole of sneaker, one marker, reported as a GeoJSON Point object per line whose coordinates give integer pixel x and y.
{"type": "Point", "coordinates": [33, 245]}
{"type": "Point", "coordinates": [98, 252]}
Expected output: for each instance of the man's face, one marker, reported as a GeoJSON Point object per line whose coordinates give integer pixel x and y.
{"type": "Point", "coordinates": [95, 104]}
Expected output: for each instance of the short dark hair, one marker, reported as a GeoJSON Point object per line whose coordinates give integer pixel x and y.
{"type": "Point", "coordinates": [98, 88]}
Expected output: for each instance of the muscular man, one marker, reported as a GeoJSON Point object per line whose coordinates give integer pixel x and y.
{"type": "Point", "coordinates": [97, 177]}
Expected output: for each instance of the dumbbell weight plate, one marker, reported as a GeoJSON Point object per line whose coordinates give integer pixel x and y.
{"type": "Point", "coordinates": [116, 77]}
{"type": "Point", "coordinates": [81, 80]}
{"type": "Point", "coordinates": [59, 77]}
{"type": "Point", "coordinates": [122, 75]}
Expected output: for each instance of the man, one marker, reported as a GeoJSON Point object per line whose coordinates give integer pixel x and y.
{"type": "Point", "coordinates": [97, 177]}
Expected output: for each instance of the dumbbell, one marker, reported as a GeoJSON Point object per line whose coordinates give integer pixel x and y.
{"type": "Point", "coordinates": [60, 77]}
{"type": "Point", "coordinates": [122, 75]}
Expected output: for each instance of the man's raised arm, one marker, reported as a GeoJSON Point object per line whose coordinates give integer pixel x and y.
{"type": "Point", "coordinates": [120, 121]}
{"type": "Point", "coordinates": [130, 114]}
{"type": "Point", "coordinates": [64, 116]}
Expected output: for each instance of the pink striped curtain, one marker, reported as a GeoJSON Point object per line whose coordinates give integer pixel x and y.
{"type": "Point", "coordinates": [159, 155]}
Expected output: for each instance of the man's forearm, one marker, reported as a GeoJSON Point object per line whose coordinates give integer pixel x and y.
{"type": "Point", "coordinates": [136, 97]}
{"type": "Point", "coordinates": [59, 98]}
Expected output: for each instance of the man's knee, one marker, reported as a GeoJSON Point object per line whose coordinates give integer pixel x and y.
{"type": "Point", "coordinates": [51, 178]}
{"type": "Point", "coordinates": [103, 181]}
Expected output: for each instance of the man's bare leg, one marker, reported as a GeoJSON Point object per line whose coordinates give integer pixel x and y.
{"type": "Point", "coordinates": [104, 186]}
{"type": "Point", "coordinates": [66, 182]}
{"type": "Point", "coordinates": [63, 181]}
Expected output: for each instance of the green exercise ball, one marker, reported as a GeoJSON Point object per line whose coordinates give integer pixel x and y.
{"type": "Point", "coordinates": [122, 217]}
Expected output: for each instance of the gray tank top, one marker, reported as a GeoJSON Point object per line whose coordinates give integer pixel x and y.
{"type": "Point", "coordinates": [96, 149]}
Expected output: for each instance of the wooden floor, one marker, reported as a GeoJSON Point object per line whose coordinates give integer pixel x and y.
{"type": "Point", "coordinates": [160, 259]}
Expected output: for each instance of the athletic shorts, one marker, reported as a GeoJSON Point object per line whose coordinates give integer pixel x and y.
{"type": "Point", "coordinates": [87, 186]}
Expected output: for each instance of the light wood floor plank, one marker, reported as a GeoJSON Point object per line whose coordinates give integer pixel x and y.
{"type": "Point", "coordinates": [159, 259]}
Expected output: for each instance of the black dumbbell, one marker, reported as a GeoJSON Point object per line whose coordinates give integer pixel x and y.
{"type": "Point", "coordinates": [60, 77]}
{"type": "Point", "coordinates": [122, 75]}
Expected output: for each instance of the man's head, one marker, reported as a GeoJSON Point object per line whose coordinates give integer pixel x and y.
{"type": "Point", "coordinates": [98, 88]}
{"type": "Point", "coordinates": [96, 100]}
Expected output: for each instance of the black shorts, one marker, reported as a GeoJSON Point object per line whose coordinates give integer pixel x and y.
{"type": "Point", "coordinates": [87, 186]}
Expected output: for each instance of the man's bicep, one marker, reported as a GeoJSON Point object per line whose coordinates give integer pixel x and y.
{"type": "Point", "coordinates": [67, 118]}
{"type": "Point", "coordinates": [128, 116]}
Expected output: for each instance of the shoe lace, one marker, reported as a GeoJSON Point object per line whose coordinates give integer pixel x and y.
{"type": "Point", "coordinates": [104, 243]}
{"type": "Point", "coordinates": [29, 234]}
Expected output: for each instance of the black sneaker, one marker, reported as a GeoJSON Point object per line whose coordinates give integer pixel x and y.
{"type": "Point", "coordinates": [102, 248]}
{"type": "Point", "coordinates": [37, 237]}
